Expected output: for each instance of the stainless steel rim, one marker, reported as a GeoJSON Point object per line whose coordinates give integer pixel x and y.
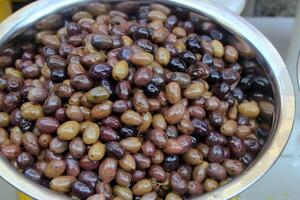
{"type": "Point", "coordinates": [282, 84]}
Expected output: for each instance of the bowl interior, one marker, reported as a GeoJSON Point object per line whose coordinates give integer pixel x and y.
{"type": "Point", "coordinates": [252, 46]}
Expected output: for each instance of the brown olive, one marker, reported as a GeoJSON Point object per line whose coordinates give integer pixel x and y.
{"type": "Point", "coordinates": [233, 167]}
{"type": "Point", "coordinates": [97, 151]}
{"type": "Point", "coordinates": [122, 192]}
{"type": "Point", "coordinates": [249, 109]}
{"type": "Point", "coordinates": [120, 70]}
{"type": "Point", "coordinates": [47, 125]}
{"type": "Point", "coordinates": [173, 196]}
{"type": "Point", "coordinates": [32, 112]}
{"type": "Point", "coordinates": [123, 178]}
{"type": "Point", "coordinates": [160, 35]}
{"type": "Point", "coordinates": [88, 164]}
{"type": "Point", "coordinates": [131, 144]}
{"type": "Point", "coordinates": [91, 133]}
{"type": "Point", "coordinates": [157, 172]}
{"type": "Point", "coordinates": [192, 157]}
{"type": "Point", "coordinates": [142, 162]}
{"type": "Point", "coordinates": [178, 183]}
{"type": "Point", "coordinates": [72, 167]}
{"type": "Point", "coordinates": [185, 170]}
{"type": "Point", "coordinates": [102, 110]}
{"type": "Point", "coordinates": [127, 163]}
{"type": "Point", "coordinates": [142, 187]}
{"type": "Point", "coordinates": [58, 146]}
{"type": "Point", "coordinates": [15, 136]}
{"type": "Point", "coordinates": [216, 171]}
{"type": "Point", "coordinates": [210, 184]}
{"type": "Point", "coordinates": [10, 151]}
{"type": "Point", "coordinates": [148, 148]}
{"type": "Point", "coordinates": [140, 102]}
{"type": "Point", "coordinates": [108, 169]}
{"type": "Point", "coordinates": [157, 157]}
{"type": "Point", "coordinates": [195, 188]}
{"type": "Point", "coordinates": [173, 92]}
{"type": "Point", "coordinates": [62, 184]}
{"type": "Point", "coordinates": [37, 94]}
{"type": "Point", "coordinates": [97, 95]}
{"type": "Point", "coordinates": [147, 119]}
{"type": "Point", "coordinates": [156, 14]}
{"type": "Point", "coordinates": [142, 58]}
{"type": "Point", "coordinates": [159, 122]}
{"type": "Point", "coordinates": [162, 55]}
{"type": "Point", "coordinates": [68, 130]}
{"type": "Point", "coordinates": [55, 168]}
{"type": "Point", "coordinates": [77, 147]}
{"type": "Point", "coordinates": [30, 143]}
{"type": "Point", "coordinates": [142, 76]}
{"type": "Point", "coordinates": [200, 172]}
{"type": "Point", "coordinates": [131, 118]}
{"type": "Point", "coordinates": [194, 91]}
{"type": "Point", "coordinates": [175, 113]}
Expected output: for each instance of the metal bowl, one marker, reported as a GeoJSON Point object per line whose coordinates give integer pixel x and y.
{"type": "Point", "coordinates": [245, 35]}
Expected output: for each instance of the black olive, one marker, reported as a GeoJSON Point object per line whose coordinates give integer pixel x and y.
{"type": "Point", "coordinates": [252, 145]}
{"type": "Point", "coordinates": [147, 45]}
{"type": "Point", "coordinates": [247, 158]}
{"type": "Point", "coordinates": [208, 59]}
{"type": "Point", "coordinates": [201, 128]}
{"type": "Point", "coordinates": [229, 75]}
{"type": "Point", "coordinates": [108, 84]}
{"type": "Point", "coordinates": [142, 32]}
{"type": "Point", "coordinates": [188, 57]}
{"type": "Point", "coordinates": [73, 29]}
{"type": "Point", "coordinates": [261, 132]}
{"type": "Point", "coordinates": [216, 34]}
{"type": "Point", "coordinates": [151, 90]}
{"type": "Point", "coordinates": [58, 75]}
{"type": "Point", "coordinates": [246, 82]}
{"type": "Point", "coordinates": [125, 53]}
{"type": "Point", "coordinates": [171, 163]}
{"type": "Point", "coordinates": [261, 83]}
{"type": "Point", "coordinates": [238, 94]}
{"type": "Point", "coordinates": [127, 131]}
{"type": "Point", "coordinates": [220, 90]}
{"type": "Point", "coordinates": [101, 41]}
{"type": "Point", "coordinates": [249, 66]}
{"type": "Point", "coordinates": [26, 125]}
{"type": "Point", "coordinates": [216, 154]}
{"type": "Point", "coordinates": [193, 44]}
{"type": "Point", "coordinates": [216, 118]}
{"type": "Point", "coordinates": [177, 65]}
{"type": "Point", "coordinates": [33, 175]}
{"type": "Point", "coordinates": [171, 22]}
{"type": "Point", "coordinates": [194, 142]}
{"type": "Point", "coordinates": [114, 149]}
{"type": "Point", "coordinates": [214, 76]}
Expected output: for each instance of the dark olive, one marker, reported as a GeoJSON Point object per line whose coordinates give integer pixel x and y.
{"type": "Point", "coordinates": [193, 44]}
{"type": "Point", "coordinates": [127, 131]}
{"type": "Point", "coordinates": [170, 163]}
{"type": "Point", "coordinates": [177, 65]}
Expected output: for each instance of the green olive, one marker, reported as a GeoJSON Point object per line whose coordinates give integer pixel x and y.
{"type": "Point", "coordinates": [68, 130]}
{"type": "Point", "coordinates": [97, 95]}
{"type": "Point", "coordinates": [120, 70]}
